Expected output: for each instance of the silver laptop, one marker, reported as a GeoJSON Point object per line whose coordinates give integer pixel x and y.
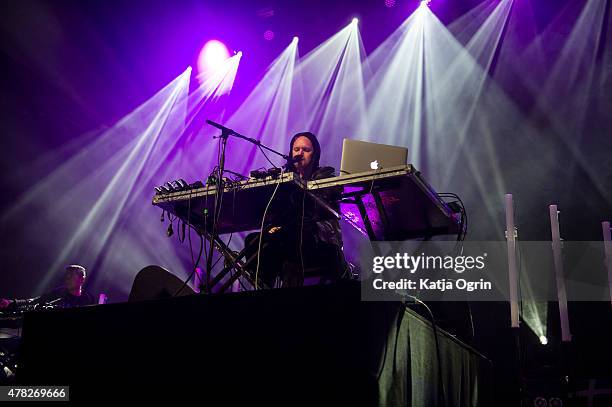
{"type": "Point", "coordinates": [360, 156]}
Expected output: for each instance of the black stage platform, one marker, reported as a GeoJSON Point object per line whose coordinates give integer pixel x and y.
{"type": "Point", "coordinates": [314, 345]}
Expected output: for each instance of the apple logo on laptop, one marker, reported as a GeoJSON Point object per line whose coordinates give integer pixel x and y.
{"type": "Point", "coordinates": [374, 165]}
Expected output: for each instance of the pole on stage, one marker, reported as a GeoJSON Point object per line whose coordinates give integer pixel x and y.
{"type": "Point", "coordinates": [513, 276]}
{"type": "Point", "coordinates": [559, 276]}
{"type": "Point", "coordinates": [511, 236]}
{"type": "Point", "coordinates": [607, 237]}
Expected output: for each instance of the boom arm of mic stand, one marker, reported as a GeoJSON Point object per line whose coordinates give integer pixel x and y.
{"type": "Point", "coordinates": [229, 132]}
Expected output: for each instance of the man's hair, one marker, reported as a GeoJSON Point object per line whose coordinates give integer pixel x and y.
{"type": "Point", "coordinates": [75, 268]}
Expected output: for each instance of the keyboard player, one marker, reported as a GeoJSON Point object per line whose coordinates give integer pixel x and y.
{"type": "Point", "coordinates": [303, 245]}
{"type": "Point", "coordinates": [70, 294]}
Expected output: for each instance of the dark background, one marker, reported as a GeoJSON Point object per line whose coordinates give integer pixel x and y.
{"type": "Point", "coordinates": [71, 67]}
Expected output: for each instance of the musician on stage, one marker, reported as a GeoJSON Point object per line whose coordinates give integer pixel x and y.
{"type": "Point", "coordinates": [302, 245]}
{"type": "Point", "coordinates": [71, 294]}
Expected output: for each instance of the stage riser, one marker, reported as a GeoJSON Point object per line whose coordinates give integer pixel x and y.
{"type": "Point", "coordinates": [312, 343]}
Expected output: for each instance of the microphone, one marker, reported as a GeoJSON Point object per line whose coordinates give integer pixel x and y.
{"type": "Point", "coordinates": [297, 158]}
{"type": "Point", "coordinates": [293, 160]}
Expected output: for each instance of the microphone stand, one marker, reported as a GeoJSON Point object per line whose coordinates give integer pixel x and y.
{"type": "Point", "coordinates": [225, 134]}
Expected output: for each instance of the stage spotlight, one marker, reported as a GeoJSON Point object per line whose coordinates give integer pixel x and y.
{"type": "Point", "coordinates": [543, 340]}
{"type": "Point", "coordinates": [355, 21]}
{"type": "Point", "coordinates": [424, 3]}
{"type": "Point", "coordinates": [269, 35]}
{"type": "Point", "coordinates": [555, 402]}
{"type": "Point", "coordinates": [295, 39]}
{"type": "Point", "coordinates": [540, 402]}
{"type": "Point", "coordinates": [212, 56]}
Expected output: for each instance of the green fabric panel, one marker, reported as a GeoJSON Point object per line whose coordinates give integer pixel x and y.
{"type": "Point", "coordinates": [411, 342]}
{"type": "Point", "coordinates": [394, 381]}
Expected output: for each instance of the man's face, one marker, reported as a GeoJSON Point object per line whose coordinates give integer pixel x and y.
{"type": "Point", "coordinates": [73, 280]}
{"type": "Point", "coordinates": [302, 145]}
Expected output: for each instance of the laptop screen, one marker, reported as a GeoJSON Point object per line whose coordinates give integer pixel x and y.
{"type": "Point", "coordinates": [361, 156]}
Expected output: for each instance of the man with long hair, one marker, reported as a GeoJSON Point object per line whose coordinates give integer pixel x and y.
{"type": "Point", "coordinates": [304, 244]}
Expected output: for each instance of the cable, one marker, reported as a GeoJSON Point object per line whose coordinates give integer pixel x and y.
{"type": "Point", "coordinates": [189, 231]}
{"type": "Point", "coordinates": [215, 222]}
{"type": "Point", "coordinates": [199, 258]}
{"type": "Point", "coordinates": [464, 219]}
{"type": "Point", "coordinates": [263, 219]}
{"type": "Point", "coordinates": [267, 158]}
{"type": "Point", "coordinates": [471, 321]}
{"type": "Point", "coordinates": [240, 176]}
{"type": "Point", "coordinates": [302, 237]}
{"type": "Point", "coordinates": [220, 189]}
{"type": "Point", "coordinates": [216, 213]}
{"type": "Point", "coordinates": [233, 185]}
{"type": "Point", "coordinates": [461, 235]}
{"type": "Point", "coordinates": [372, 185]}
{"type": "Point", "coordinates": [196, 264]}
